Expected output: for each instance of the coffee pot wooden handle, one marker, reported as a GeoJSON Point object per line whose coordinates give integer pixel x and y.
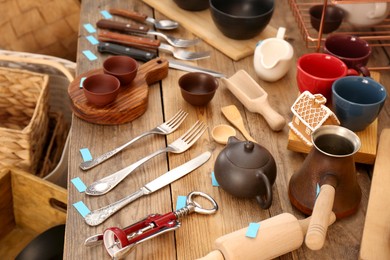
{"type": "Point", "coordinates": [316, 233]}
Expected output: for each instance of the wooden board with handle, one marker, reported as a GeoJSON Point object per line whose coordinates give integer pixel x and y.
{"type": "Point", "coordinates": [368, 139]}
{"type": "Point", "coordinates": [131, 102]}
{"type": "Point", "coordinates": [202, 25]}
{"type": "Point", "coordinates": [376, 233]}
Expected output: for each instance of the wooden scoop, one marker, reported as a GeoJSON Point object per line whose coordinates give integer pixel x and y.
{"type": "Point", "coordinates": [254, 98]}
{"type": "Point", "coordinates": [233, 115]}
{"type": "Point", "coordinates": [276, 236]}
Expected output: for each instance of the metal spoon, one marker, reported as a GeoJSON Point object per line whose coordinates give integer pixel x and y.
{"type": "Point", "coordinates": [162, 24]}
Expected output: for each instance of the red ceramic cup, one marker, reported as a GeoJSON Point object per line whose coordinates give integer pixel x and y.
{"type": "Point", "coordinates": [352, 50]}
{"type": "Point", "coordinates": [316, 73]}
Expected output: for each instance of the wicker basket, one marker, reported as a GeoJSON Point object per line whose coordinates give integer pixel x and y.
{"type": "Point", "coordinates": [60, 73]}
{"type": "Point", "coordinates": [46, 27]}
{"type": "Point", "coordinates": [23, 117]}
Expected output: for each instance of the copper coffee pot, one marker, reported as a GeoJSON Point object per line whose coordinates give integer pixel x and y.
{"type": "Point", "coordinates": [327, 181]}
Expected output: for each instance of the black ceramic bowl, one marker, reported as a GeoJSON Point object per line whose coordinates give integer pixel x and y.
{"type": "Point", "coordinates": [241, 19]}
{"type": "Point", "coordinates": [332, 19]}
{"type": "Point", "coordinates": [192, 5]}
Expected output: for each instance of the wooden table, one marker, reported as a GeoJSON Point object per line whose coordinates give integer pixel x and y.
{"type": "Point", "coordinates": [195, 237]}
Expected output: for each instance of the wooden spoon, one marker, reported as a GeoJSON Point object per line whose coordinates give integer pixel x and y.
{"type": "Point", "coordinates": [254, 98]}
{"type": "Point", "coordinates": [233, 116]}
{"type": "Point", "coordinates": [221, 133]}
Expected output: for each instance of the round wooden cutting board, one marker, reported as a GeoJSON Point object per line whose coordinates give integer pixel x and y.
{"type": "Point", "coordinates": [132, 99]}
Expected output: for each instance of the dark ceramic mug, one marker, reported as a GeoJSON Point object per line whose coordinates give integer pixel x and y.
{"type": "Point", "coordinates": [352, 50]}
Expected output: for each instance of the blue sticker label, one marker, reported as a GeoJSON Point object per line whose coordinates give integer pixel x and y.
{"type": "Point", "coordinates": [92, 39]}
{"type": "Point", "coordinates": [85, 153]}
{"type": "Point", "coordinates": [318, 189]}
{"type": "Point", "coordinates": [82, 81]}
{"type": "Point", "coordinates": [81, 208]}
{"type": "Point", "coordinates": [79, 184]}
{"type": "Point", "coordinates": [214, 180]}
{"type": "Point", "coordinates": [90, 55]}
{"type": "Point", "coordinates": [89, 27]}
{"type": "Point", "coordinates": [106, 14]}
{"type": "Point", "coordinates": [252, 230]}
{"type": "Point", "coordinates": [181, 202]}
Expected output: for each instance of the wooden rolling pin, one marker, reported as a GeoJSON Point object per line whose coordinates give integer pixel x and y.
{"type": "Point", "coordinates": [276, 236]}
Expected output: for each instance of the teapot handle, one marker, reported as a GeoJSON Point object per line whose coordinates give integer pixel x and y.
{"type": "Point", "coordinates": [265, 203]}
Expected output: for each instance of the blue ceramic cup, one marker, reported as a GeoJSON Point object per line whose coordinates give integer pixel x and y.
{"type": "Point", "coordinates": [357, 101]}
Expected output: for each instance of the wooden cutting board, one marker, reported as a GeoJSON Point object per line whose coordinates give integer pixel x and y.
{"type": "Point", "coordinates": [131, 102]}
{"type": "Point", "coordinates": [368, 139]}
{"type": "Point", "coordinates": [376, 233]}
{"type": "Point", "coordinates": [202, 25]}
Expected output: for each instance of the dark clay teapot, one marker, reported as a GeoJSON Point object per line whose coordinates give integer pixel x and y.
{"type": "Point", "coordinates": [246, 170]}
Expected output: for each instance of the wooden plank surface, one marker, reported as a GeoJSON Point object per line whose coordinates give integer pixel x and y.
{"type": "Point", "coordinates": [197, 233]}
{"type": "Point", "coordinates": [201, 24]}
{"type": "Point", "coordinates": [376, 233]}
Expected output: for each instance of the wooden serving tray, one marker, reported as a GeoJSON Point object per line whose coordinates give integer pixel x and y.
{"type": "Point", "coordinates": [132, 100]}
{"type": "Point", "coordinates": [368, 139]}
{"type": "Point", "coordinates": [201, 24]}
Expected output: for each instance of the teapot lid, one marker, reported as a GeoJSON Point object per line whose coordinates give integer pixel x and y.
{"type": "Point", "coordinates": [246, 154]}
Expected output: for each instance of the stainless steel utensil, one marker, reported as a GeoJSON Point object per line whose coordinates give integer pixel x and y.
{"type": "Point", "coordinates": [143, 30]}
{"type": "Point", "coordinates": [180, 145]}
{"type": "Point", "coordinates": [150, 44]}
{"type": "Point", "coordinates": [190, 68]}
{"type": "Point", "coordinates": [164, 129]}
{"type": "Point", "coordinates": [161, 24]}
{"type": "Point", "coordinates": [98, 216]}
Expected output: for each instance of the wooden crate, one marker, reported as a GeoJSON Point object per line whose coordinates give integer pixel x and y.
{"type": "Point", "coordinates": [28, 207]}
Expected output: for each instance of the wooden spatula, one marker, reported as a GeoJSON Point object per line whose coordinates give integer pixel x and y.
{"type": "Point", "coordinates": [233, 116]}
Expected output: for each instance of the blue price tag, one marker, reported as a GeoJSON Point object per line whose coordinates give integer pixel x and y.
{"type": "Point", "coordinates": [89, 55]}
{"type": "Point", "coordinates": [317, 190]}
{"type": "Point", "coordinates": [81, 81]}
{"type": "Point", "coordinates": [79, 184]}
{"type": "Point", "coordinates": [252, 230]}
{"type": "Point", "coordinates": [92, 39]}
{"type": "Point", "coordinates": [106, 14]}
{"type": "Point", "coordinates": [89, 27]}
{"type": "Point", "coordinates": [181, 202]}
{"type": "Point", "coordinates": [81, 208]}
{"type": "Point", "coordinates": [213, 180]}
{"type": "Point", "coordinates": [85, 153]}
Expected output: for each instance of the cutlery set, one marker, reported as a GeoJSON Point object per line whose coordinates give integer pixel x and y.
{"type": "Point", "coordinates": [134, 35]}
{"type": "Point", "coordinates": [120, 242]}
{"type": "Point", "coordinates": [180, 145]}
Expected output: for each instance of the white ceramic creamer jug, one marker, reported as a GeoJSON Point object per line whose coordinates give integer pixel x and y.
{"type": "Point", "coordinates": [273, 57]}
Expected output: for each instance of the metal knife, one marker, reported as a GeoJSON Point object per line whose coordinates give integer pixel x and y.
{"type": "Point", "coordinates": [190, 68]}
{"type": "Point", "coordinates": [106, 47]}
{"type": "Point", "coordinates": [149, 55]}
{"type": "Point", "coordinates": [98, 216]}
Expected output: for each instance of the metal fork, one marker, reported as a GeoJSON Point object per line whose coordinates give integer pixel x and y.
{"type": "Point", "coordinates": [180, 145]}
{"type": "Point", "coordinates": [182, 54]}
{"type": "Point", "coordinates": [164, 129]}
{"type": "Point", "coordinates": [176, 42]}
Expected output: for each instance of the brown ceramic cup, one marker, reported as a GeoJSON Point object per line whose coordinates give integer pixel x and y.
{"type": "Point", "coordinates": [123, 68]}
{"type": "Point", "coordinates": [101, 89]}
{"type": "Point", "coordinates": [198, 88]}
{"type": "Point", "coordinates": [352, 50]}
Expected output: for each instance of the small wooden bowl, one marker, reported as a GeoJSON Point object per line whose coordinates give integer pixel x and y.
{"type": "Point", "coordinates": [123, 68]}
{"type": "Point", "coordinates": [198, 88]}
{"type": "Point", "coordinates": [101, 89]}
